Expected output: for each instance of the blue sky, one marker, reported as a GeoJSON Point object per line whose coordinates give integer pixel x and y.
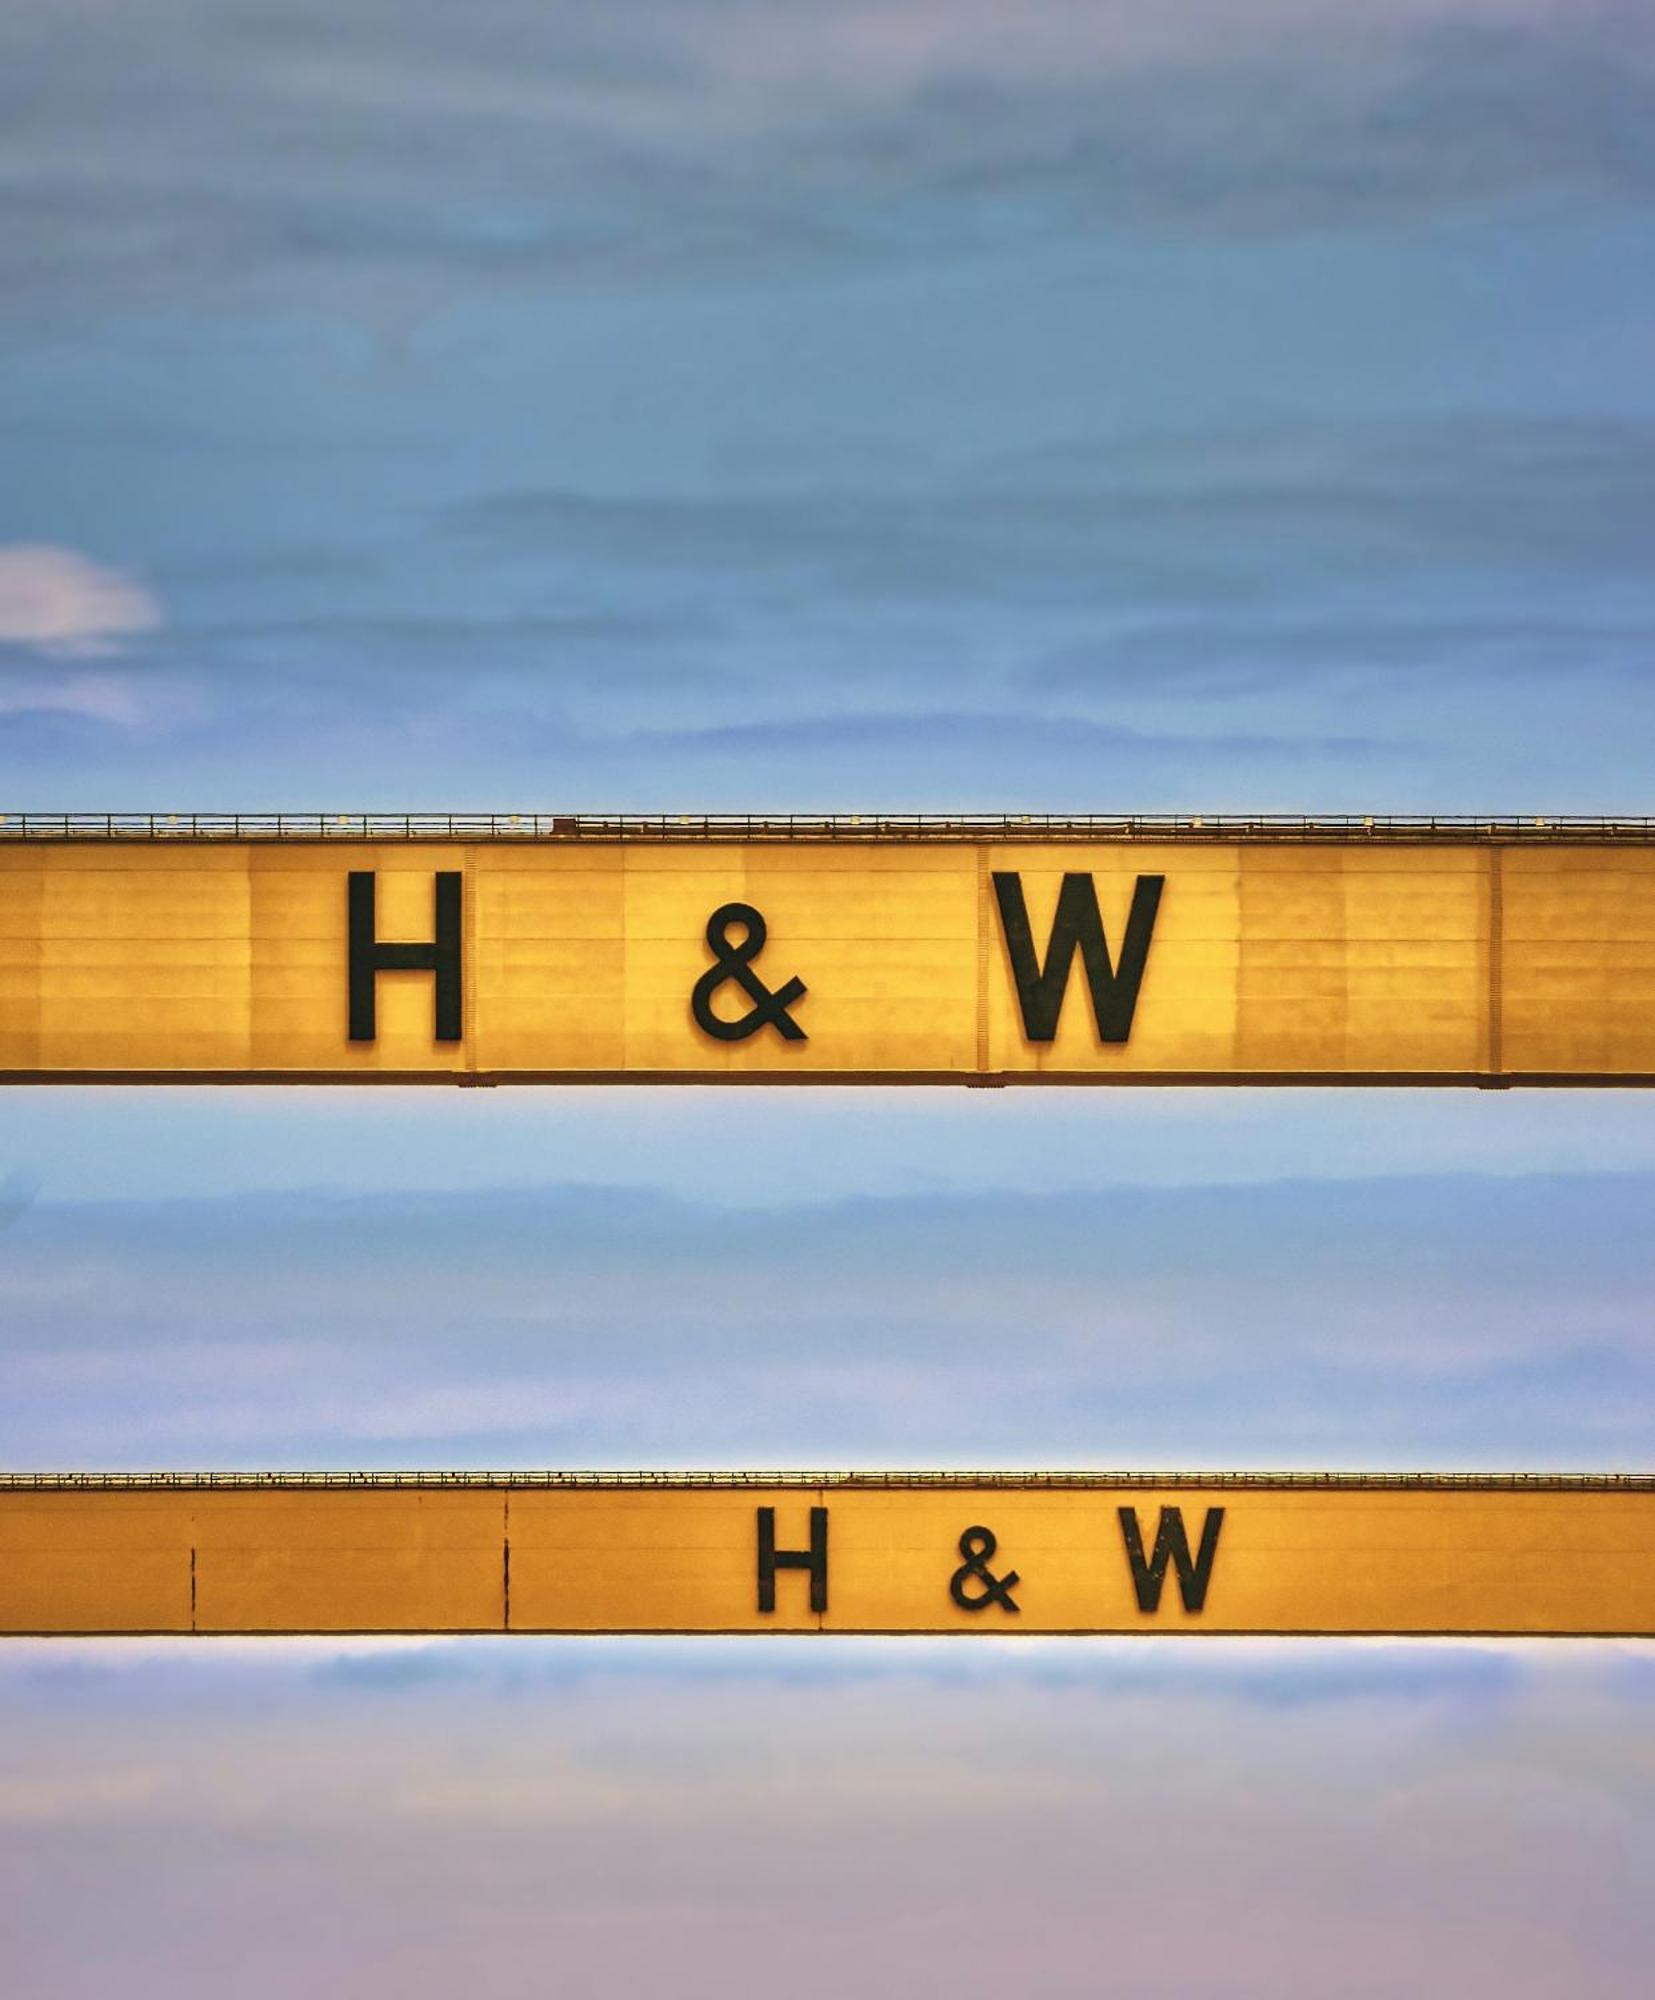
{"type": "Point", "coordinates": [719, 406]}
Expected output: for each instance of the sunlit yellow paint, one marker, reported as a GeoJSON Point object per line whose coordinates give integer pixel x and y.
{"type": "Point", "coordinates": [1406, 960]}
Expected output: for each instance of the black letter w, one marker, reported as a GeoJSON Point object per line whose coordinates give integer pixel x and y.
{"type": "Point", "coordinates": [1040, 988]}
{"type": "Point", "coordinates": [1171, 1543]}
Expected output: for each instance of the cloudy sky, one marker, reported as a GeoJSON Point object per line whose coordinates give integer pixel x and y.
{"type": "Point", "coordinates": [692, 405]}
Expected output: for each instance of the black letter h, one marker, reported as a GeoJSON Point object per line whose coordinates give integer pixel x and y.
{"type": "Point", "coordinates": [814, 1559]}
{"type": "Point", "coordinates": [369, 958]}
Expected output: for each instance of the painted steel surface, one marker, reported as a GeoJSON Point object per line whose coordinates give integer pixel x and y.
{"type": "Point", "coordinates": [1430, 958]}
{"type": "Point", "coordinates": [888, 1553]}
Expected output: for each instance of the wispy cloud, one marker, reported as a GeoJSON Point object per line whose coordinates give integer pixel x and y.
{"type": "Point", "coordinates": [58, 603]}
{"type": "Point", "coordinates": [885, 744]}
{"type": "Point", "coordinates": [64, 619]}
{"type": "Point", "coordinates": [995, 1823]}
{"type": "Point", "coordinates": [1384, 1323]}
{"type": "Point", "coordinates": [390, 155]}
{"type": "Point", "coordinates": [1170, 518]}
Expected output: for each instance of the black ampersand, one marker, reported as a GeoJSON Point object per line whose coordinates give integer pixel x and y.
{"type": "Point", "coordinates": [977, 1545]}
{"type": "Point", "coordinates": [735, 962]}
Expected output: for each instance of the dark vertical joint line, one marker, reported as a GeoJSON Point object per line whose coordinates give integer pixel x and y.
{"type": "Point", "coordinates": [982, 959]}
{"type": "Point", "coordinates": [505, 1565]}
{"type": "Point", "coordinates": [1496, 960]}
{"type": "Point", "coordinates": [192, 1588]}
{"type": "Point", "coordinates": [468, 956]}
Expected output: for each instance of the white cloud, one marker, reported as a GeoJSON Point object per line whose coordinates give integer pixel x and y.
{"type": "Point", "coordinates": [63, 604]}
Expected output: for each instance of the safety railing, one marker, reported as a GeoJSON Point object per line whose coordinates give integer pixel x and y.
{"type": "Point", "coordinates": [643, 827]}
{"type": "Point", "coordinates": [60, 1482]}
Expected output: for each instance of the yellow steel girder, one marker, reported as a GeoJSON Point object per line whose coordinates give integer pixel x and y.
{"type": "Point", "coordinates": [875, 1553]}
{"type": "Point", "coordinates": [1464, 960]}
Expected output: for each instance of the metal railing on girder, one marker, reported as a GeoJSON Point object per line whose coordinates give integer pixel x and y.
{"type": "Point", "coordinates": [64, 1482]}
{"type": "Point", "coordinates": [644, 827]}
